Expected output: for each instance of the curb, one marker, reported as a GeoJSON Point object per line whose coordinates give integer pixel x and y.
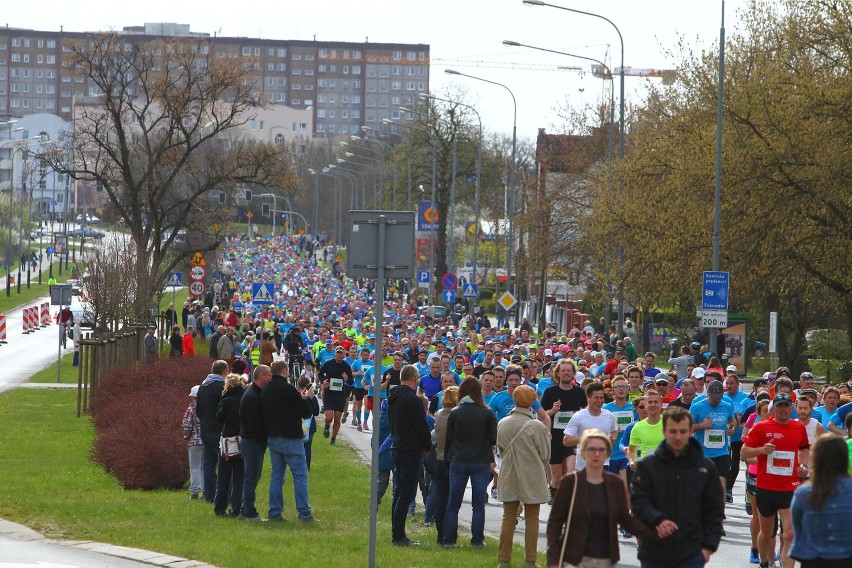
{"type": "Point", "coordinates": [22, 533]}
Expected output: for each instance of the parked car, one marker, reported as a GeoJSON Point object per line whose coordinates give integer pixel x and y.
{"type": "Point", "coordinates": [87, 219]}
{"type": "Point", "coordinates": [76, 287]}
{"type": "Point", "coordinates": [86, 232]}
{"type": "Point", "coordinates": [436, 312]}
{"type": "Point", "coordinates": [83, 313]}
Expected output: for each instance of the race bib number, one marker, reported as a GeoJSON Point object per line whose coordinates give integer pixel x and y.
{"type": "Point", "coordinates": [623, 418]}
{"type": "Point", "coordinates": [780, 463]}
{"type": "Point", "coordinates": [335, 384]}
{"type": "Point", "coordinates": [714, 439]}
{"type": "Point", "coordinates": [561, 419]}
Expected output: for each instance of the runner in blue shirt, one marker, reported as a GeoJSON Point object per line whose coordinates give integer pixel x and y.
{"type": "Point", "coordinates": [359, 368]}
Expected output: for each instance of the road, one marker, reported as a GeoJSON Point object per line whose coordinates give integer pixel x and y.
{"type": "Point", "coordinates": [734, 550]}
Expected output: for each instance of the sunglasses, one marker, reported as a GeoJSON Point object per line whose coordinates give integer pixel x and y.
{"type": "Point", "coordinates": [640, 408]}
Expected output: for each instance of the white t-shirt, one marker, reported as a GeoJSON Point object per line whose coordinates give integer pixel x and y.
{"type": "Point", "coordinates": [583, 420]}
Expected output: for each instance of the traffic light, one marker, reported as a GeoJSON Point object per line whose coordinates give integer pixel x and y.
{"type": "Point", "coordinates": [264, 210]}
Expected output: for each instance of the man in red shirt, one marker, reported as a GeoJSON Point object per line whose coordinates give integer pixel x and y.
{"type": "Point", "coordinates": [782, 450]}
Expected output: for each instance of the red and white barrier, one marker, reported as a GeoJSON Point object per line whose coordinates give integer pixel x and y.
{"type": "Point", "coordinates": [26, 314]}
{"type": "Point", "coordinates": [2, 329]}
{"type": "Point", "coordinates": [45, 314]}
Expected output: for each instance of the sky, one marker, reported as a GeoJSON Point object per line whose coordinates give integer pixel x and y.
{"type": "Point", "coordinates": [465, 35]}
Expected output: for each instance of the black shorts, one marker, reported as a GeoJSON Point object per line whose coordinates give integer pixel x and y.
{"type": "Point", "coordinates": [347, 390]}
{"type": "Point", "coordinates": [770, 502]}
{"type": "Point", "coordinates": [723, 465]}
{"type": "Point", "coordinates": [335, 402]}
{"type": "Point", "coordinates": [751, 484]}
{"type": "Point", "coordinates": [360, 393]}
{"type": "Point", "coordinates": [558, 452]}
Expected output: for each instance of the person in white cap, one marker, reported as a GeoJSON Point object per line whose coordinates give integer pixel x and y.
{"type": "Point", "coordinates": [194, 445]}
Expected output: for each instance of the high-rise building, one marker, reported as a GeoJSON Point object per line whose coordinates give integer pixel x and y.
{"type": "Point", "coordinates": [346, 84]}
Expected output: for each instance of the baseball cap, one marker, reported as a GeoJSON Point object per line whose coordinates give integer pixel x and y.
{"type": "Point", "coordinates": [517, 359]}
{"type": "Point", "coordinates": [339, 350]}
{"type": "Point", "coordinates": [695, 344]}
{"type": "Point", "coordinates": [648, 383]}
{"type": "Point", "coordinates": [548, 352]}
{"type": "Point", "coordinates": [731, 369]}
{"type": "Point", "coordinates": [715, 389]}
{"type": "Point", "coordinates": [762, 396]}
{"type": "Point", "coordinates": [662, 378]}
{"type": "Point", "coordinates": [328, 341]}
{"type": "Point", "coordinates": [698, 373]}
{"type": "Point", "coordinates": [782, 398]}
{"type": "Point", "coordinates": [194, 391]}
{"type": "Point", "coordinates": [533, 346]}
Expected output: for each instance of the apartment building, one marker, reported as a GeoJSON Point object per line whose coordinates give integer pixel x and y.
{"type": "Point", "coordinates": [346, 85]}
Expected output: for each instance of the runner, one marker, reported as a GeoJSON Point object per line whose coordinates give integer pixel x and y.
{"type": "Point", "coordinates": [561, 402]}
{"type": "Point", "coordinates": [782, 449]}
{"type": "Point", "coordinates": [333, 375]}
{"type": "Point", "coordinates": [624, 417]}
{"type": "Point", "coordinates": [648, 433]}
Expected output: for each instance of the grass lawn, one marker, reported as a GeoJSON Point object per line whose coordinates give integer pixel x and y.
{"type": "Point", "coordinates": [68, 373]}
{"type": "Point", "coordinates": [51, 486]}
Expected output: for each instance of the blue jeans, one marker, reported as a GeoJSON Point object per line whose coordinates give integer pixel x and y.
{"type": "Point", "coordinates": [479, 474]}
{"type": "Point", "coordinates": [209, 462]}
{"type": "Point", "coordinates": [441, 491]}
{"type": "Point", "coordinates": [405, 473]}
{"type": "Point", "coordinates": [253, 464]}
{"type": "Point", "coordinates": [285, 452]}
{"type": "Point", "coordinates": [696, 561]}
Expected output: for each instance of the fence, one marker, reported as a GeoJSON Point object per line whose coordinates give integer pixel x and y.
{"type": "Point", "coordinates": [100, 353]}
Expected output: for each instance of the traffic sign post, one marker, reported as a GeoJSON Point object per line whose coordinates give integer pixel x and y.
{"type": "Point", "coordinates": [197, 288]}
{"type": "Point", "coordinates": [381, 245]}
{"type": "Point", "coordinates": [507, 301]}
{"type": "Point", "coordinates": [470, 291]}
{"type": "Point", "coordinates": [449, 281]}
{"type": "Point", "coordinates": [262, 293]}
{"type": "Point", "coordinates": [714, 301]}
{"type": "Point", "coordinates": [423, 278]}
{"type": "Point", "coordinates": [175, 279]}
{"type": "Point", "coordinates": [197, 272]}
{"type": "Point", "coordinates": [449, 296]}
{"type": "Point", "coordinates": [714, 319]}
{"type": "Point", "coordinates": [198, 260]}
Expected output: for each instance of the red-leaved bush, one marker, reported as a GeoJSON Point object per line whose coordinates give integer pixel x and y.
{"type": "Point", "coordinates": [137, 414]}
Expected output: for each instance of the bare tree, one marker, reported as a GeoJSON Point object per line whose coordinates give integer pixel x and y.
{"type": "Point", "coordinates": [161, 138]}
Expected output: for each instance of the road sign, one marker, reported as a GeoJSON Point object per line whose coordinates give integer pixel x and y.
{"type": "Point", "coordinates": [175, 279]}
{"type": "Point", "coordinates": [449, 281]}
{"type": "Point", "coordinates": [198, 260]}
{"type": "Point", "coordinates": [262, 293]}
{"type": "Point", "coordinates": [449, 296]}
{"type": "Point", "coordinates": [249, 214]}
{"type": "Point", "coordinates": [339, 258]}
{"type": "Point", "coordinates": [714, 318]}
{"type": "Point", "coordinates": [471, 291]}
{"type": "Point", "coordinates": [197, 272]}
{"type": "Point", "coordinates": [714, 294]}
{"type": "Point", "coordinates": [427, 217]}
{"type": "Point", "coordinates": [362, 256]}
{"type": "Point", "coordinates": [423, 278]}
{"type": "Point", "coordinates": [507, 300]}
{"type": "Point", "coordinates": [197, 288]}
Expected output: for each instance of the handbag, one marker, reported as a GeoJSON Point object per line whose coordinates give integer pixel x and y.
{"type": "Point", "coordinates": [229, 447]}
{"type": "Point", "coordinates": [568, 521]}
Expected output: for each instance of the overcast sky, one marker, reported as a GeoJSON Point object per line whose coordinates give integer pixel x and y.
{"type": "Point", "coordinates": [460, 33]}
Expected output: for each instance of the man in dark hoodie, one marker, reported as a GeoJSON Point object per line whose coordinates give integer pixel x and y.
{"type": "Point", "coordinates": [253, 439]}
{"type": "Point", "coordinates": [411, 442]}
{"type": "Point", "coordinates": [209, 396]}
{"type": "Point", "coordinates": [676, 490]}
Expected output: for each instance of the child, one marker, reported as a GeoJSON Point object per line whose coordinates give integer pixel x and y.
{"type": "Point", "coordinates": [194, 445]}
{"type": "Point", "coordinates": [310, 424]}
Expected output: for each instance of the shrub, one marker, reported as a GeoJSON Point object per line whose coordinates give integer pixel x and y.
{"type": "Point", "coordinates": [137, 414]}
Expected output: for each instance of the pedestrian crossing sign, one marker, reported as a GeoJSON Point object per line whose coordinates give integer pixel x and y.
{"type": "Point", "coordinates": [175, 279]}
{"type": "Point", "coordinates": [262, 293]}
{"type": "Point", "coordinates": [471, 291]}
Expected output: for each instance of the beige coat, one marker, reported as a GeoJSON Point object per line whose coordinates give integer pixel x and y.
{"type": "Point", "coordinates": [524, 474]}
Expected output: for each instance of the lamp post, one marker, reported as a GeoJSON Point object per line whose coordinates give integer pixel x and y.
{"type": "Point", "coordinates": [352, 170]}
{"type": "Point", "coordinates": [478, 184]}
{"type": "Point", "coordinates": [717, 193]}
{"type": "Point", "coordinates": [511, 204]}
{"type": "Point", "coordinates": [378, 197]}
{"type": "Point", "coordinates": [620, 248]}
{"type": "Point", "coordinates": [367, 129]}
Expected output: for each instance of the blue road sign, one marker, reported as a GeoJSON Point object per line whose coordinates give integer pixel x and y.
{"type": "Point", "coordinates": [449, 281]}
{"type": "Point", "coordinates": [423, 276]}
{"type": "Point", "coordinates": [427, 217]}
{"type": "Point", "coordinates": [175, 279]}
{"type": "Point", "coordinates": [262, 293]}
{"type": "Point", "coordinates": [449, 296]}
{"type": "Point", "coordinates": [714, 294]}
{"type": "Point", "coordinates": [471, 291]}
{"type": "Point", "coordinates": [238, 308]}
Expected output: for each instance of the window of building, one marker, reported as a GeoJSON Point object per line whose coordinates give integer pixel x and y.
{"type": "Point", "coordinates": [332, 68]}
{"type": "Point", "coordinates": [383, 104]}
{"type": "Point", "coordinates": [344, 129]}
{"type": "Point", "coordinates": [344, 99]}
{"type": "Point", "coordinates": [309, 102]}
{"type": "Point", "coordinates": [356, 114]}
{"type": "Point", "coordinates": [65, 78]}
{"type": "Point", "coordinates": [257, 52]}
{"type": "Point", "coordinates": [246, 51]}
{"type": "Point", "coordinates": [282, 52]}
{"type": "Point", "coordinates": [309, 57]}
{"type": "Point", "coordinates": [15, 88]}
{"type": "Point", "coordinates": [39, 89]}
{"type": "Point", "coordinates": [371, 104]}
{"type": "Point", "coordinates": [78, 79]}
{"type": "Point", "coordinates": [371, 118]}
{"type": "Point", "coordinates": [322, 68]}
{"type": "Point", "coordinates": [270, 97]}
{"type": "Point", "coordinates": [383, 75]}
{"type": "Point", "coordinates": [270, 52]}
{"type": "Point", "coordinates": [281, 97]}
{"type": "Point", "coordinates": [323, 53]}
{"type": "Point", "coordinates": [321, 98]}
{"type": "Point", "coordinates": [51, 89]}
{"type": "Point", "coordinates": [320, 112]}
{"type": "Point", "coordinates": [282, 67]}
{"type": "Point", "coordinates": [320, 127]}
{"type": "Point", "coordinates": [309, 87]}
{"type": "Point", "coordinates": [409, 85]}
{"type": "Point", "coordinates": [421, 86]}
{"type": "Point", "coordinates": [383, 89]}
{"type": "Point", "coordinates": [39, 58]}
{"type": "Point", "coordinates": [16, 58]}
{"type": "Point", "coordinates": [395, 69]}
{"type": "Point", "coordinates": [396, 85]}
{"type": "Point", "coordinates": [16, 42]}
{"type": "Point", "coordinates": [331, 99]}
{"type": "Point", "coordinates": [296, 86]}
{"type": "Point", "coordinates": [371, 74]}
{"type": "Point", "coordinates": [397, 55]}
{"type": "Point", "coordinates": [2, 47]}
{"type": "Point", "coordinates": [50, 105]}
{"type": "Point", "coordinates": [321, 83]}
{"type": "Point", "coordinates": [297, 57]}
{"type": "Point", "coordinates": [356, 99]}
{"type": "Point", "coordinates": [410, 70]}
{"type": "Point", "coordinates": [51, 59]}
{"type": "Point", "coordinates": [297, 71]}
{"type": "Point", "coordinates": [66, 94]}
{"type": "Point", "coordinates": [345, 54]}
{"type": "Point", "coordinates": [356, 83]}
{"type": "Point", "coordinates": [14, 103]}
{"type": "Point", "coordinates": [332, 83]}
{"type": "Point", "coordinates": [331, 113]}
{"type": "Point", "coordinates": [346, 70]}
{"type": "Point", "coordinates": [309, 71]}
{"type": "Point", "coordinates": [395, 114]}
{"type": "Point", "coordinates": [356, 69]}
{"type": "Point", "coordinates": [331, 128]}
{"type": "Point", "coordinates": [344, 114]}
{"type": "Point", "coordinates": [26, 58]}
{"type": "Point", "coordinates": [411, 55]}
{"type": "Point", "coordinates": [296, 101]}
{"type": "Point", "coordinates": [356, 54]}
{"type": "Point", "coordinates": [51, 74]}
{"type": "Point", "coordinates": [270, 67]}
{"type": "Point", "coordinates": [25, 103]}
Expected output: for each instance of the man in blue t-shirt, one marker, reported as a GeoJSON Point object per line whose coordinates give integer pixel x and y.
{"type": "Point", "coordinates": [502, 403]}
{"type": "Point", "coordinates": [430, 383]}
{"type": "Point", "coordinates": [714, 422]}
{"type": "Point", "coordinates": [359, 369]}
{"type": "Point", "coordinates": [624, 417]}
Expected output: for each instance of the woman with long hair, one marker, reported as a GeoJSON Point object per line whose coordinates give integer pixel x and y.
{"type": "Point", "coordinates": [471, 433]}
{"type": "Point", "coordinates": [822, 508]}
{"type": "Point", "coordinates": [229, 482]}
{"type": "Point", "coordinates": [441, 479]}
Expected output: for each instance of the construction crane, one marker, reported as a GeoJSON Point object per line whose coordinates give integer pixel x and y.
{"type": "Point", "coordinates": [667, 75]}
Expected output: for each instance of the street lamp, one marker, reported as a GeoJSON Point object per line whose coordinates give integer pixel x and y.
{"type": "Point", "coordinates": [511, 205]}
{"type": "Point", "coordinates": [366, 129]}
{"type": "Point", "coordinates": [478, 183]}
{"type": "Point", "coordinates": [380, 165]}
{"type": "Point", "coordinates": [620, 248]}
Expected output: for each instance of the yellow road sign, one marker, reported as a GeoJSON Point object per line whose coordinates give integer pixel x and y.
{"type": "Point", "coordinates": [198, 260]}
{"type": "Point", "coordinates": [249, 214]}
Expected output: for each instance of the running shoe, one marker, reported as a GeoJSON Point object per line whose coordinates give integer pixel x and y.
{"type": "Point", "coordinates": [729, 496]}
{"type": "Point", "coordinates": [754, 558]}
{"type": "Point", "coordinates": [494, 493]}
{"type": "Point", "coordinates": [325, 432]}
{"type": "Point", "coordinates": [358, 427]}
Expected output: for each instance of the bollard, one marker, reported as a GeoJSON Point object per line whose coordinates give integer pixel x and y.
{"type": "Point", "coordinates": [26, 320]}
{"type": "Point", "coordinates": [3, 329]}
{"type": "Point", "coordinates": [45, 314]}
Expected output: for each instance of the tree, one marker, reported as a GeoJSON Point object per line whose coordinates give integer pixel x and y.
{"type": "Point", "coordinates": [161, 138]}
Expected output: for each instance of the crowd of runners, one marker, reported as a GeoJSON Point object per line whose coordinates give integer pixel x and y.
{"type": "Point", "coordinates": [317, 336]}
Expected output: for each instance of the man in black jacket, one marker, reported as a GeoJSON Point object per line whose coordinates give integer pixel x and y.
{"type": "Point", "coordinates": [209, 396]}
{"type": "Point", "coordinates": [677, 491]}
{"type": "Point", "coordinates": [284, 409]}
{"type": "Point", "coordinates": [253, 439]}
{"type": "Point", "coordinates": [411, 442]}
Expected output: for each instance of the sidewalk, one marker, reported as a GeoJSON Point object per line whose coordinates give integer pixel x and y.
{"type": "Point", "coordinates": [22, 546]}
